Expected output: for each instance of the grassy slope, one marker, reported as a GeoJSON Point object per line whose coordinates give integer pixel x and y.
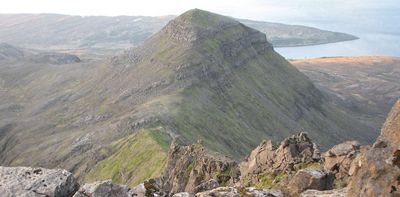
{"type": "Point", "coordinates": [133, 159]}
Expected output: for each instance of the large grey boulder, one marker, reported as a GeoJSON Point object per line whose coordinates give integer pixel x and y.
{"type": "Point", "coordinates": [327, 193]}
{"type": "Point", "coordinates": [239, 192]}
{"type": "Point", "coordinates": [309, 179]}
{"type": "Point", "coordinates": [104, 189]}
{"type": "Point", "coordinates": [36, 182]}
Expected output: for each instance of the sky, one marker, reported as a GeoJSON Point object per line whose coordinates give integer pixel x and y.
{"type": "Point", "coordinates": [380, 14]}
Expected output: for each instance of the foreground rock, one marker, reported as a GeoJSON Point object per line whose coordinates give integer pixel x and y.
{"type": "Point", "coordinates": [293, 153]}
{"type": "Point", "coordinates": [377, 171]}
{"type": "Point", "coordinates": [238, 192]}
{"type": "Point", "coordinates": [309, 179]}
{"type": "Point", "coordinates": [27, 182]}
{"type": "Point", "coordinates": [328, 193]}
{"type": "Point", "coordinates": [105, 189]}
{"type": "Point", "coordinates": [192, 169]}
{"type": "Point", "coordinates": [338, 160]}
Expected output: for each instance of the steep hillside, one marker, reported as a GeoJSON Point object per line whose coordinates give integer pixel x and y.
{"type": "Point", "coordinates": [105, 35]}
{"type": "Point", "coordinates": [203, 76]}
{"type": "Point", "coordinates": [366, 87]}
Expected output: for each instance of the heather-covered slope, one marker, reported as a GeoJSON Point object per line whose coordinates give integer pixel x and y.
{"type": "Point", "coordinates": [203, 76]}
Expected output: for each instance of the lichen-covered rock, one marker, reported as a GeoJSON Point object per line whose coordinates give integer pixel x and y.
{"type": "Point", "coordinates": [35, 182]}
{"type": "Point", "coordinates": [309, 179]}
{"type": "Point", "coordinates": [293, 152]}
{"type": "Point", "coordinates": [327, 193]}
{"type": "Point", "coordinates": [390, 133]}
{"type": "Point", "coordinates": [190, 166]}
{"type": "Point", "coordinates": [376, 172]}
{"type": "Point", "coordinates": [104, 189]}
{"type": "Point", "coordinates": [239, 192]}
{"type": "Point", "coordinates": [183, 194]}
{"type": "Point", "coordinates": [208, 185]}
{"type": "Point", "coordinates": [338, 160]}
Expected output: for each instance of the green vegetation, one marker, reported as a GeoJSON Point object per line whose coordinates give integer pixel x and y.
{"type": "Point", "coordinates": [270, 180]}
{"type": "Point", "coordinates": [134, 159]}
{"type": "Point", "coordinates": [314, 166]}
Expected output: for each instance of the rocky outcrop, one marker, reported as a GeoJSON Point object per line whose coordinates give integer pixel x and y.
{"type": "Point", "coordinates": [293, 153]}
{"type": "Point", "coordinates": [238, 192]}
{"type": "Point", "coordinates": [309, 179]}
{"type": "Point", "coordinates": [104, 189]}
{"type": "Point", "coordinates": [328, 193]}
{"type": "Point", "coordinates": [338, 160]}
{"type": "Point", "coordinates": [376, 172]}
{"type": "Point", "coordinates": [192, 169]}
{"type": "Point", "coordinates": [35, 182]}
{"type": "Point", "coordinates": [390, 133]}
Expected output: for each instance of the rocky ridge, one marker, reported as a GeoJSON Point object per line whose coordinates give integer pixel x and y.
{"type": "Point", "coordinates": [193, 171]}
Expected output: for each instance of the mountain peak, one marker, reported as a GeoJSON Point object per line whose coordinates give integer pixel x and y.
{"type": "Point", "coordinates": [196, 23]}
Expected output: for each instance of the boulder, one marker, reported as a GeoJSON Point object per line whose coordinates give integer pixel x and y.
{"type": "Point", "coordinates": [208, 185]}
{"type": "Point", "coordinates": [376, 172]}
{"type": "Point", "coordinates": [239, 192]}
{"type": "Point", "coordinates": [27, 182]}
{"type": "Point", "coordinates": [183, 194]}
{"type": "Point", "coordinates": [390, 133]}
{"type": "Point", "coordinates": [192, 168]}
{"type": "Point", "coordinates": [292, 153]}
{"type": "Point", "coordinates": [327, 193]}
{"type": "Point", "coordinates": [104, 189]}
{"type": "Point", "coordinates": [338, 160]}
{"type": "Point", "coordinates": [309, 179]}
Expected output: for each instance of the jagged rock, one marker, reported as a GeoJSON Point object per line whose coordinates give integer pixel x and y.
{"type": "Point", "coordinates": [139, 190]}
{"type": "Point", "coordinates": [292, 153]}
{"type": "Point", "coordinates": [390, 133]}
{"type": "Point", "coordinates": [238, 192]}
{"type": "Point", "coordinates": [27, 182]}
{"type": "Point", "coordinates": [376, 172]}
{"type": "Point", "coordinates": [327, 193]}
{"type": "Point", "coordinates": [208, 185]}
{"type": "Point", "coordinates": [153, 188]}
{"type": "Point", "coordinates": [338, 160]}
{"type": "Point", "coordinates": [190, 166]}
{"type": "Point", "coordinates": [183, 194]}
{"type": "Point", "coordinates": [104, 189]}
{"type": "Point", "coordinates": [309, 179]}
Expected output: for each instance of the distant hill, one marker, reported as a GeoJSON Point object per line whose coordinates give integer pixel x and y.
{"type": "Point", "coordinates": [203, 76]}
{"type": "Point", "coordinates": [9, 53]}
{"type": "Point", "coordinates": [101, 34]}
{"type": "Point", "coordinates": [365, 87]}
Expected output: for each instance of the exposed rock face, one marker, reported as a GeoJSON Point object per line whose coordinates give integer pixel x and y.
{"type": "Point", "coordinates": [338, 160]}
{"type": "Point", "coordinates": [183, 194]}
{"type": "Point", "coordinates": [309, 179]}
{"type": "Point", "coordinates": [104, 189]}
{"type": "Point", "coordinates": [190, 168]}
{"type": "Point", "coordinates": [377, 171]}
{"type": "Point", "coordinates": [390, 134]}
{"type": "Point", "coordinates": [328, 193]}
{"type": "Point", "coordinates": [27, 182]}
{"type": "Point", "coordinates": [238, 192]}
{"type": "Point", "coordinates": [293, 152]}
